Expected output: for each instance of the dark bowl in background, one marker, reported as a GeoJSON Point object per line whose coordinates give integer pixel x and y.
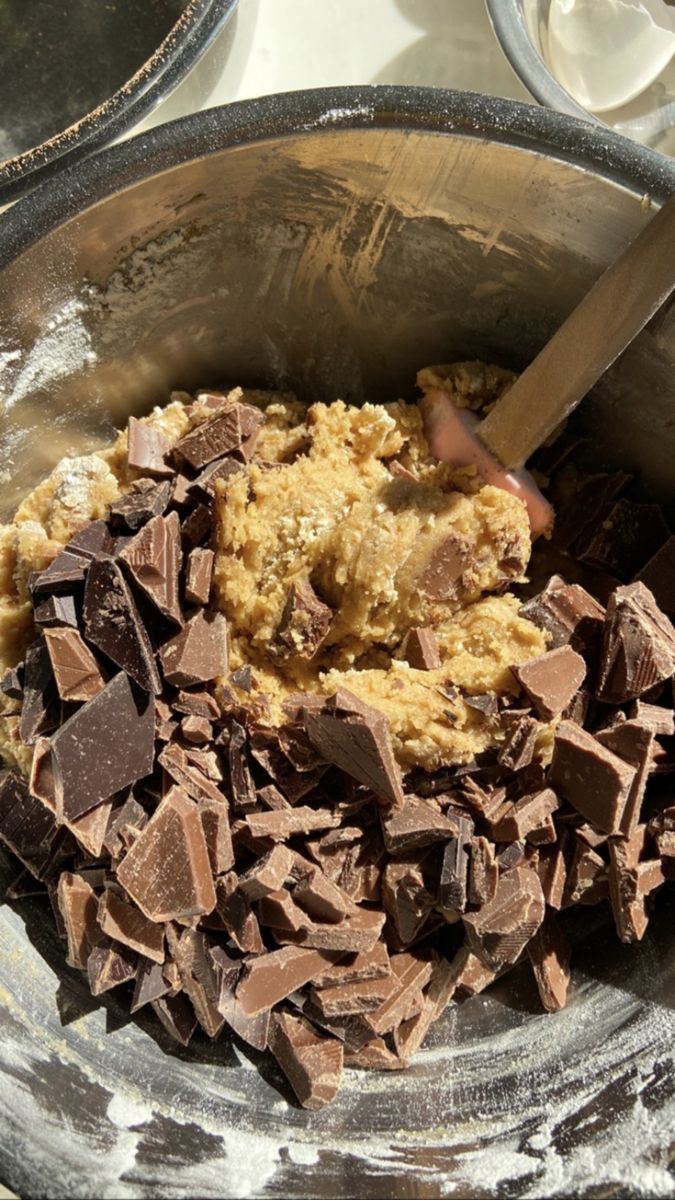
{"type": "Point", "coordinates": [75, 74]}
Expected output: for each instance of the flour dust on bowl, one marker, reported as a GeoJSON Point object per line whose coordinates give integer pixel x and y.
{"type": "Point", "coordinates": [331, 243]}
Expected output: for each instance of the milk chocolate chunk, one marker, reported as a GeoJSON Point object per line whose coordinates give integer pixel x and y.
{"type": "Point", "coordinates": [56, 610]}
{"type": "Point", "coordinates": [587, 876]}
{"type": "Point", "coordinates": [89, 829]}
{"type": "Point", "coordinates": [198, 575]}
{"type": "Point", "coordinates": [354, 968]}
{"type": "Point", "coordinates": [321, 899]}
{"type": "Point", "coordinates": [124, 923]}
{"type": "Point", "coordinates": [196, 730]}
{"type": "Point", "coordinates": [659, 576]}
{"type": "Point", "coordinates": [282, 914]}
{"type": "Point", "coordinates": [130, 815]}
{"type": "Point", "coordinates": [198, 976]}
{"type": "Point", "coordinates": [148, 448]}
{"type": "Point", "coordinates": [483, 873]}
{"type": "Point", "coordinates": [78, 906]}
{"type": "Point", "coordinates": [517, 750]}
{"type": "Point", "coordinates": [552, 871]}
{"type": "Point", "coordinates": [660, 721]}
{"type": "Point", "coordinates": [549, 954]}
{"type": "Point", "coordinates": [406, 898]}
{"type": "Point", "coordinates": [253, 1030]}
{"type": "Point", "coordinates": [271, 977]}
{"type": "Point", "coordinates": [189, 776]}
{"type": "Point", "coordinates": [113, 624]}
{"type": "Point", "coordinates": [39, 710]}
{"type": "Point", "coordinates": [633, 742]}
{"type": "Point", "coordinates": [304, 622]}
{"type": "Point", "coordinates": [409, 1035]}
{"type": "Point", "coordinates": [410, 973]}
{"type": "Point", "coordinates": [638, 647]}
{"type": "Point", "coordinates": [204, 486]}
{"type": "Point", "coordinates": [28, 828]}
{"type": "Point", "coordinates": [413, 825]}
{"type": "Point", "coordinates": [590, 777]}
{"type": "Point", "coordinates": [150, 984]}
{"type": "Point", "coordinates": [485, 703]}
{"type": "Point", "coordinates": [375, 1056]}
{"type": "Point", "coordinates": [216, 826]}
{"type": "Point", "coordinates": [177, 1016]}
{"type": "Point", "coordinates": [232, 424]}
{"type": "Point", "coordinates": [267, 875]}
{"type": "Point", "coordinates": [501, 929]}
{"type": "Point", "coordinates": [551, 680]}
{"type": "Point", "coordinates": [445, 566]}
{"type": "Point", "coordinates": [235, 912]}
{"type": "Point", "coordinates": [311, 1062]}
{"type": "Point", "coordinates": [108, 966]}
{"type": "Point", "coordinates": [77, 674]}
{"type": "Point", "coordinates": [244, 797]}
{"type": "Point", "coordinates": [568, 613]}
{"type": "Point", "coordinates": [360, 930]}
{"type": "Point", "coordinates": [145, 500]}
{"type": "Point", "coordinates": [525, 815]}
{"type": "Point", "coordinates": [167, 871]}
{"type": "Point", "coordinates": [11, 682]}
{"type": "Point", "coordinates": [63, 573]}
{"type": "Point", "coordinates": [420, 649]}
{"type": "Point", "coordinates": [452, 891]}
{"type": "Point", "coordinates": [196, 704]}
{"type": "Point", "coordinates": [105, 746]}
{"type": "Point", "coordinates": [153, 558]}
{"type": "Point", "coordinates": [354, 998]}
{"type": "Point", "coordinates": [198, 653]}
{"type": "Point", "coordinates": [355, 737]}
{"type": "Point", "coordinates": [283, 823]}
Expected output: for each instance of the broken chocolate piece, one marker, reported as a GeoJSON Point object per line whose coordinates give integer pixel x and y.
{"type": "Point", "coordinates": [420, 649]}
{"type": "Point", "coordinates": [244, 797]}
{"type": "Point", "coordinates": [216, 826]}
{"type": "Point", "coordinates": [252, 1030]}
{"type": "Point", "coordinates": [271, 977]}
{"type": "Point", "coordinates": [105, 746]}
{"type": "Point", "coordinates": [167, 871]}
{"type": "Point", "coordinates": [591, 777]}
{"type": "Point", "coordinates": [39, 711]}
{"type": "Point", "coordinates": [658, 720]}
{"type": "Point", "coordinates": [150, 984]}
{"type": "Point", "coordinates": [359, 930]}
{"type": "Point", "coordinates": [198, 575]}
{"type": "Point", "coordinates": [406, 898]}
{"type": "Point", "coordinates": [63, 573]}
{"type": "Point", "coordinates": [638, 646]}
{"type": "Point", "coordinates": [124, 923]}
{"type": "Point", "coordinates": [177, 1016]}
{"type": "Point", "coordinates": [501, 929]}
{"type": "Point", "coordinates": [352, 999]}
{"type": "Point", "coordinates": [447, 562]}
{"type": "Point", "coordinates": [321, 899]}
{"type": "Point", "coordinates": [483, 872]}
{"type": "Point", "coordinates": [517, 749]}
{"type": "Point", "coordinates": [113, 624]}
{"type": "Point", "coordinates": [267, 875]}
{"type": "Point", "coordinates": [659, 576]}
{"type": "Point", "coordinates": [146, 500]}
{"type": "Point", "coordinates": [196, 704]}
{"type": "Point", "coordinates": [130, 816]}
{"type": "Point", "coordinates": [626, 536]}
{"type": "Point", "coordinates": [485, 704]}
{"type": "Point", "coordinates": [148, 448]}
{"type": "Point", "coordinates": [375, 1056]}
{"type": "Point", "coordinates": [413, 825]}
{"type": "Point", "coordinates": [410, 974]}
{"type": "Point", "coordinates": [78, 906]}
{"type": "Point", "coordinates": [525, 815]}
{"type": "Point", "coordinates": [11, 682]}
{"type": "Point", "coordinates": [198, 653]}
{"type": "Point", "coordinates": [311, 1063]}
{"type": "Point", "coordinates": [568, 614]}
{"type": "Point", "coordinates": [305, 621]}
{"type": "Point", "coordinates": [56, 610]}
{"type": "Point", "coordinates": [28, 828]}
{"type": "Point", "coordinates": [77, 674]}
{"type": "Point", "coordinates": [634, 743]}
{"type": "Point", "coordinates": [154, 557]}
{"type": "Point", "coordinates": [284, 823]}
{"type": "Point", "coordinates": [452, 891]}
{"type": "Point", "coordinates": [552, 871]}
{"type": "Point", "coordinates": [188, 775]}
{"type": "Point", "coordinates": [409, 1035]}
{"type": "Point", "coordinates": [549, 953]}
{"type": "Point", "coordinates": [552, 680]}
{"type": "Point", "coordinates": [355, 737]}
{"type": "Point", "coordinates": [354, 968]}
{"type": "Point", "coordinates": [232, 424]}
{"type": "Point", "coordinates": [198, 976]}
{"type": "Point", "coordinates": [235, 912]}
{"type": "Point", "coordinates": [108, 966]}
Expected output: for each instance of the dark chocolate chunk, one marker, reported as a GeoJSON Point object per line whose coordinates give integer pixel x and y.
{"type": "Point", "coordinates": [305, 621]}
{"type": "Point", "coordinates": [500, 930]}
{"type": "Point", "coordinates": [77, 674]}
{"type": "Point", "coordinates": [129, 816]}
{"type": "Point", "coordinates": [146, 500]}
{"type": "Point", "coordinates": [569, 614]}
{"type": "Point", "coordinates": [283, 823]}
{"type": "Point", "coordinates": [311, 1062]}
{"type": "Point", "coordinates": [108, 966]}
{"type": "Point", "coordinates": [28, 828]}
{"type": "Point", "coordinates": [659, 576]}
{"type": "Point", "coordinates": [196, 704]}
{"type": "Point", "coordinates": [167, 871]}
{"type": "Point", "coordinates": [355, 737]}
{"type": "Point", "coordinates": [420, 649]}
{"type": "Point", "coordinates": [177, 1016]}
{"type": "Point", "coordinates": [486, 704]}
{"type": "Point", "coordinates": [551, 680]}
{"type": "Point", "coordinates": [517, 749]}
{"type": "Point", "coordinates": [413, 825]}
{"type": "Point", "coordinates": [198, 653]}
{"type": "Point", "coordinates": [198, 575]}
{"type": "Point", "coordinates": [148, 448]}
{"type": "Point", "coordinates": [154, 557]}
{"type": "Point", "coordinates": [232, 424]}
{"type": "Point", "coordinates": [113, 624]}
{"type": "Point", "coordinates": [56, 610]}
{"type": "Point", "coordinates": [242, 678]}
{"type": "Point", "coordinates": [626, 536]}
{"type": "Point", "coordinates": [549, 953]}
{"type": "Point", "coordinates": [62, 574]}
{"type": "Point", "coordinates": [590, 777]}
{"type": "Point", "coordinates": [150, 984]}
{"type": "Point", "coordinates": [452, 892]}
{"type": "Point", "coordinates": [638, 646]}
{"type": "Point", "coordinates": [198, 976]}
{"type": "Point", "coordinates": [78, 906]}
{"type": "Point", "coordinates": [105, 746]}
{"type": "Point", "coordinates": [11, 683]}
{"type": "Point", "coordinates": [198, 525]}
{"type": "Point", "coordinates": [40, 710]}
{"type": "Point", "coordinates": [91, 541]}
{"type": "Point", "coordinates": [244, 797]}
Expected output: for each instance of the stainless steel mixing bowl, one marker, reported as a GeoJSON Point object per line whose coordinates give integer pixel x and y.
{"type": "Point", "coordinates": [331, 241]}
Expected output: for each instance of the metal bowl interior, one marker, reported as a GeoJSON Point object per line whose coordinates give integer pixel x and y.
{"type": "Point", "coordinates": [332, 242]}
{"type": "Point", "coordinates": [120, 62]}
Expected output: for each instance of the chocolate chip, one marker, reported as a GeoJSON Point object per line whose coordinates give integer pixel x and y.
{"type": "Point", "coordinates": [204, 485]}
{"type": "Point", "coordinates": [198, 525]}
{"type": "Point", "coordinates": [638, 645]}
{"type": "Point", "coordinates": [198, 653]}
{"type": "Point", "coordinates": [355, 737]}
{"type": "Point", "coordinates": [445, 567]}
{"type": "Point", "coordinates": [148, 448]}
{"type": "Point", "coordinates": [113, 624]}
{"type": "Point", "coordinates": [304, 622]}
{"type": "Point", "coordinates": [551, 680]}
{"type": "Point", "coordinates": [153, 558]}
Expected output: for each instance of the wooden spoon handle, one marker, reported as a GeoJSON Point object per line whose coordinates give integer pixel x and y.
{"type": "Point", "coordinates": [616, 308]}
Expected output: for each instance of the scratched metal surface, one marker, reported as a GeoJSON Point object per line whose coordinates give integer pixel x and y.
{"type": "Point", "coordinates": [331, 241]}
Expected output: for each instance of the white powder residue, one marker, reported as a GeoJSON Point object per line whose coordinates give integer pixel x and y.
{"type": "Point", "coordinates": [339, 114]}
{"type": "Point", "coordinates": [64, 347]}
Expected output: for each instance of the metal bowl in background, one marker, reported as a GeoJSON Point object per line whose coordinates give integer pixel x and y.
{"type": "Point", "coordinates": [333, 242]}
{"type": "Point", "coordinates": [521, 29]}
{"type": "Point", "coordinates": [77, 73]}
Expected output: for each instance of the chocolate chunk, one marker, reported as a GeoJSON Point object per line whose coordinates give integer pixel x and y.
{"type": "Point", "coordinates": [244, 797]}
{"type": "Point", "coordinates": [413, 825]}
{"type": "Point", "coordinates": [452, 892]}
{"type": "Point", "coordinates": [360, 930]}
{"type": "Point", "coordinates": [148, 448]}
{"type": "Point", "coordinates": [633, 742]}
{"type": "Point", "coordinates": [551, 680]}
{"type": "Point", "coordinates": [483, 873]}
{"type": "Point", "coordinates": [27, 827]}
{"type": "Point", "coordinates": [205, 483]}
{"type": "Point", "coordinates": [89, 829]}
{"type": "Point", "coordinates": [406, 898]}
{"type": "Point", "coordinates": [105, 746]}
{"type": "Point", "coordinates": [108, 966]}
{"type": "Point", "coordinates": [146, 500]}
{"type": "Point", "coordinates": [311, 1063]}
{"type": "Point", "coordinates": [267, 875]}
{"type": "Point", "coordinates": [410, 974]}
{"type": "Point", "coordinates": [232, 424]}
{"type": "Point", "coordinates": [196, 730]}
{"type": "Point", "coordinates": [525, 815]}
{"type": "Point", "coordinates": [198, 653]}
{"type": "Point", "coordinates": [590, 777]}
{"type": "Point", "coordinates": [242, 678]}
{"type": "Point", "coordinates": [198, 525]}
{"type": "Point", "coordinates": [321, 899]}
{"type": "Point", "coordinates": [56, 610]}
{"type": "Point", "coordinates": [486, 704]}
{"type": "Point", "coordinates": [659, 576]}
{"type": "Point", "coordinates": [24, 885]}
{"type": "Point", "coordinates": [282, 914]}
{"type": "Point", "coordinates": [187, 775]}
{"type": "Point", "coordinates": [198, 976]}
{"type": "Point", "coordinates": [130, 815]}
{"type": "Point", "coordinates": [124, 923]}
{"type": "Point", "coordinates": [356, 968]}
{"type": "Point", "coordinates": [518, 747]}
{"type": "Point", "coordinates": [77, 674]}
{"type": "Point", "coordinates": [305, 621]}
{"type": "Point", "coordinates": [177, 1016]}
{"type": "Point", "coordinates": [216, 826]}
{"type": "Point", "coordinates": [448, 561]}
{"type": "Point", "coordinates": [11, 682]}
{"type": "Point", "coordinates": [235, 913]}
{"type": "Point", "coordinates": [167, 871]}
{"type": "Point", "coordinates": [91, 541]}
{"type": "Point", "coordinates": [660, 721]}
{"type": "Point", "coordinates": [271, 977]}
{"type": "Point", "coordinates": [284, 823]}
{"type": "Point", "coordinates": [420, 649]}
{"type": "Point", "coordinates": [587, 876]}
{"type": "Point", "coordinates": [196, 704]}
{"type": "Point", "coordinates": [552, 871]}
{"type": "Point", "coordinates": [638, 646]}
{"type": "Point", "coordinates": [627, 535]}
{"type": "Point", "coordinates": [549, 953]}
{"type": "Point", "coordinates": [78, 907]}
{"type": "Point", "coordinates": [150, 984]}
{"type": "Point", "coordinates": [409, 1035]}
{"type": "Point", "coordinates": [374, 1056]}
{"type": "Point", "coordinates": [154, 557]}
{"type": "Point", "coordinates": [568, 613]}
{"type": "Point", "coordinates": [63, 573]}
{"type": "Point", "coordinates": [501, 929]}
{"type": "Point", "coordinates": [253, 1030]}
{"type": "Point", "coordinates": [198, 576]}
{"type": "Point", "coordinates": [39, 711]}
{"type": "Point", "coordinates": [356, 738]}
{"type": "Point", "coordinates": [113, 624]}
{"type": "Point", "coordinates": [352, 999]}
